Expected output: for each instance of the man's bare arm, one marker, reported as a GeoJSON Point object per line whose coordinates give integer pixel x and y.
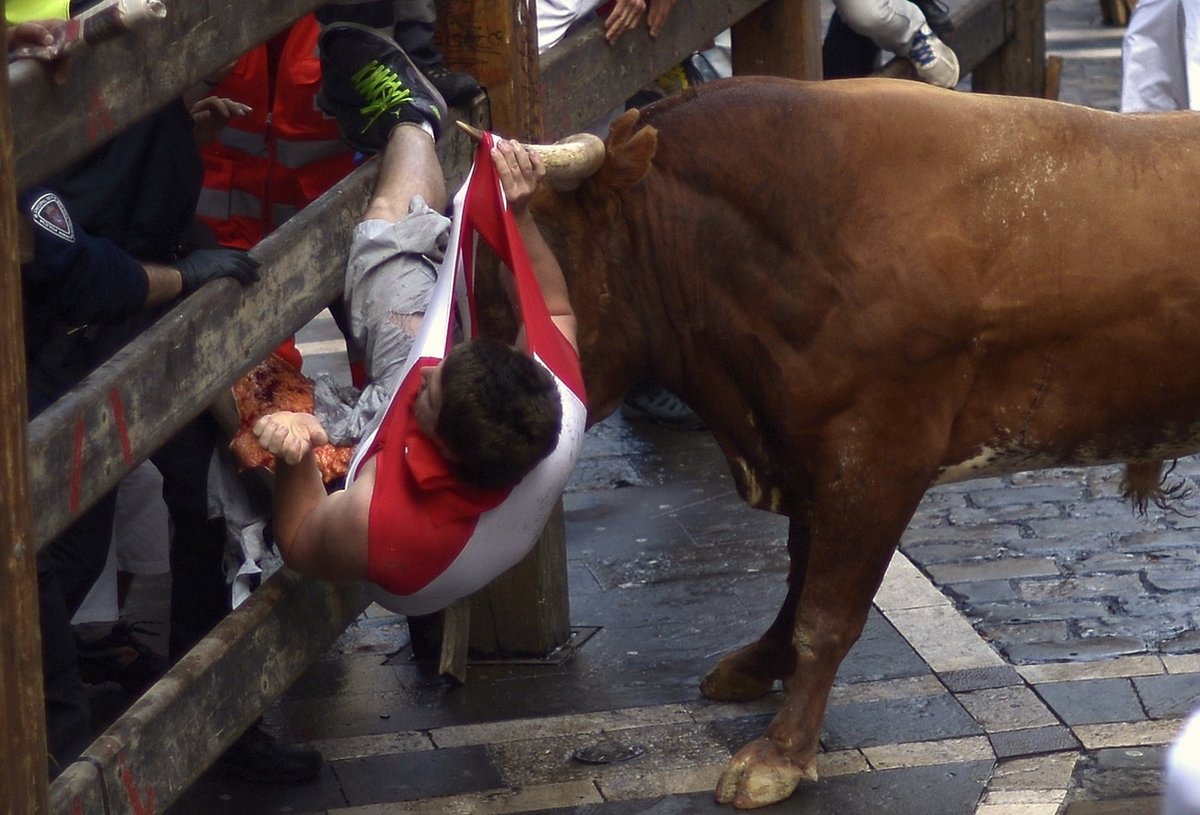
{"type": "Point", "coordinates": [520, 173]}
{"type": "Point", "coordinates": [317, 533]}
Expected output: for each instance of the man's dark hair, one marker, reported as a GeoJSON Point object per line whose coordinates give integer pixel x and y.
{"type": "Point", "coordinates": [501, 412]}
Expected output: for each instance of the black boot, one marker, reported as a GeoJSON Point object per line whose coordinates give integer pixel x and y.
{"type": "Point", "coordinates": [259, 758]}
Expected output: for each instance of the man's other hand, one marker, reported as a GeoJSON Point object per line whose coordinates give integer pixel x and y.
{"type": "Point", "coordinates": [290, 436]}
{"type": "Point", "coordinates": [204, 265]}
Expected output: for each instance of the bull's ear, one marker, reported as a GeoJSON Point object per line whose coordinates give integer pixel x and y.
{"type": "Point", "coordinates": [629, 151]}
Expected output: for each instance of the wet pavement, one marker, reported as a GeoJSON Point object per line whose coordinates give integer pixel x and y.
{"type": "Point", "coordinates": [1032, 649]}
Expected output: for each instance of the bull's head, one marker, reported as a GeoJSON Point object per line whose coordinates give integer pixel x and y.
{"type": "Point", "coordinates": [568, 161]}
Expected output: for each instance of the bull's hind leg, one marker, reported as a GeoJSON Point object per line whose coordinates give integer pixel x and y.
{"type": "Point", "coordinates": [858, 517]}
{"type": "Point", "coordinates": [752, 670]}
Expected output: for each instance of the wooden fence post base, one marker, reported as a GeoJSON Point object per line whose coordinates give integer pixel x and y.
{"type": "Point", "coordinates": [1018, 67]}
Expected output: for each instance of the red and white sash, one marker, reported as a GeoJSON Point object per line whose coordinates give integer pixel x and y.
{"type": "Point", "coordinates": [431, 539]}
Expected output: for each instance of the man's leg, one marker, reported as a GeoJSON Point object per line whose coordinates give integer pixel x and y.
{"type": "Point", "coordinates": [409, 167]}
{"type": "Point", "coordinates": [383, 104]}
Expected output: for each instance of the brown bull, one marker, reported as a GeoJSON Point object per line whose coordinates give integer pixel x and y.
{"type": "Point", "coordinates": [869, 287]}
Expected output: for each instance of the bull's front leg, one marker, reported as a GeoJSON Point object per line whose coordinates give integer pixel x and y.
{"type": "Point", "coordinates": [752, 670]}
{"type": "Point", "coordinates": [857, 521]}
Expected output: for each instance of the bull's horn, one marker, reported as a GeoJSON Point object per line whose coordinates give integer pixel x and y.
{"type": "Point", "coordinates": [568, 161]}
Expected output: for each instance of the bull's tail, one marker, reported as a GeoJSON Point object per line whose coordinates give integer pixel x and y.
{"type": "Point", "coordinates": [1145, 482]}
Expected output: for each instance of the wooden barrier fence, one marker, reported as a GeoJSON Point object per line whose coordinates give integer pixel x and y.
{"type": "Point", "coordinates": [82, 446]}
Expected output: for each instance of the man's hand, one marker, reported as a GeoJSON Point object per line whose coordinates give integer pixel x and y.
{"type": "Point", "coordinates": [625, 16]}
{"type": "Point", "coordinates": [520, 173]}
{"type": "Point", "coordinates": [290, 436]}
{"type": "Point", "coordinates": [212, 113]}
{"type": "Point", "coordinates": [41, 40]}
{"type": "Point", "coordinates": [656, 18]}
{"type": "Point", "coordinates": [204, 265]}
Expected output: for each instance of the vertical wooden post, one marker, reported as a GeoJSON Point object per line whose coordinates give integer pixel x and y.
{"type": "Point", "coordinates": [496, 42]}
{"type": "Point", "coordinates": [22, 725]}
{"type": "Point", "coordinates": [1019, 66]}
{"type": "Point", "coordinates": [780, 38]}
{"type": "Point", "coordinates": [526, 611]}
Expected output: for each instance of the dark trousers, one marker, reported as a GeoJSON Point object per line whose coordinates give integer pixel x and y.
{"type": "Point", "coordinates": [845, 53]}
{"type": "Point", "coordinates": [70, 564]}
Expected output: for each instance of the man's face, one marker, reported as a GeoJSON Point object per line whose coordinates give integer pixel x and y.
{"type": "Point", "coordinates": [428, 406]}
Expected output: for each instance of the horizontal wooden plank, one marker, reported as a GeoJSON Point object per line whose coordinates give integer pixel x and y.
{"type": "Point", "coordinates": [112, 85]}
{"type": "Point", "coordinates": [169, 736]}
{"type": "Point", "coordinates": [583, 77]}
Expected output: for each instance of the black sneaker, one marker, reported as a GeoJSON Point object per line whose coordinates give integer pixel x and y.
{"type": "Point", "coordinates": [456, 88]}
{"type": "Point", "coordinates": [370, 85]}
{"type": "Point", "coordinates": [120, 657]}
{"type": "Point", "coordinates": [648, 402]}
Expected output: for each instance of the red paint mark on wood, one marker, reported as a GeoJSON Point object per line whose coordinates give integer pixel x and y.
{"type": "Point", "coordinates": [99, 120]}
{"type": "Point", "coordinates": [122, 429]}
{"type": "Point", "coordinates": [140, 807]}
{"type": "Point", "coordinates": [76, 467]}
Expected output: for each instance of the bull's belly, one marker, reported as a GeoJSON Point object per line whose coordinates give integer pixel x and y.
{"type": "Point", "coordinates": [991, 461]}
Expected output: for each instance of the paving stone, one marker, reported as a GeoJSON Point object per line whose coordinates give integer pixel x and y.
{"type": "Point", "coordinates": [928, 753]}
{"type": "Point", "coordinates": [1173, 578]}
{"type": "Point", "coordinates": [1026, 635]}
{"type": "Point", "coordinates": [1117, 782]}
{"type": "Point", "coordinates": [964, 487]}
{"type": "Point", "coordinates": [983, 593]}
{"type": "Point", "coordinates": [880, 653]}
{"type": "Point", "coordinates": [1065, 547]}
{"type": "Point", "coordinates": [947, 789]}
{"type": "Point", "coordinates": [1093, 701]}
{"type": "Point", "coordinates": [530, 761]}
{"type": "Point", "coordinates": [996, 676]}
{"type": "Point", "coordinates": [1100, 648]}
{"type": "Point", "coordinates": [1159, 540]}
{"type": "Point", "coordinates": [1128, 734]}
{"type": "Point", "coordinates": [1110, 563]}
{"type": "Point", "coordinates": [906, 688]}
{"type": "Point", "coordinates": [1138, 665]}
{"type": "Point", "coordinates": [1005, 569]}
{"type": "Point", "coordinates": [1010, 708]}
{"type": "Point", "coordinates": [215, 793]}
{"type": "Point", "coordinates": [1025, 495]}
{"type": "Point", "coordinates": [409, 776]}
{"type": "Point", "coordinates": [1034, 741]}
{"type": "Point", "coordinates": [1090, 586]}
{"type": "Point", "coordinates": [637, 783]}
{"type": "Point", "coordinates": [1010, 514]}
{"type": "Point", "coordinates": [1186, 643]}
{"type": "Point", "coordinates": [952, 551]}
{"type": "Point", "coordinates": [1015, 613]}
{"type": "Point", "coordinates": [1168, 697]}
{"type": "Point", "coordinates": [1046, 772]}
{"type": "Point", "coordinates": [1007, 534]}
{"type": "Point", "coordinates": [926, 718]}
{"type": "Point", "coordinates": [1139, 805]}
{"type": "Point", "coordinates": [1181, 663]}
{"type": "Point", "coordinates": [1078, 529]}
{"type": "Point", "coordinates": [737, 732]}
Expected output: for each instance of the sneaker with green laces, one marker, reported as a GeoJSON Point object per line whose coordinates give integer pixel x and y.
{"type": "Point", "coordinates": [369, 85]}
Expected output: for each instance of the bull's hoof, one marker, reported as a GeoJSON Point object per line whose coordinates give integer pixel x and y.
{"type": "Point", "coordinates": [738, 677]}
{"type": "Point", "coordinates": [760, 774]}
